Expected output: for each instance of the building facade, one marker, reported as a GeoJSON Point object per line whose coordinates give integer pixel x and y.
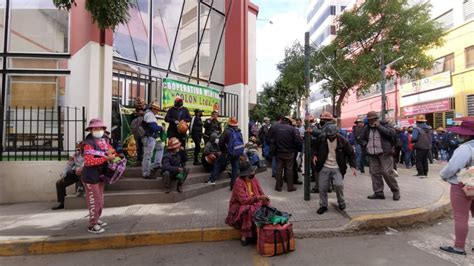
{"type": "Point", "coordinates": [59, 70]}
{"type": "Point", "coordinates": [444, 92]}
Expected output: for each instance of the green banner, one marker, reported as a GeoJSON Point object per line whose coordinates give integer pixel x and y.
{"type": "Point", "coordinates": [195, 97]}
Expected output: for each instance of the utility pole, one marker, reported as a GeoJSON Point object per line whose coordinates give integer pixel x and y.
{"type": "Point", "coordinates": [382, 84]}
{"type": "Point", "coordinates": [307, 134]}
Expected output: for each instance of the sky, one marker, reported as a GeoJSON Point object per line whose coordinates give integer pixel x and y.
{"type": "Point", "coordinates": [289, 24]}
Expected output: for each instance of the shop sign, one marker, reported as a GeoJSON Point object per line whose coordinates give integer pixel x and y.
{"type": "Point", "coordinates": [426, 108]}
{"type": "Point", "coordinates": [436, 81]}
{"type": "Point", "coordinates": [194, 96]}
{"type": "Point", "coordinates": [428, 96]}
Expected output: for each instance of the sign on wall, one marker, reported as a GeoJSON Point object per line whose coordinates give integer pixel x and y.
{"type": "Point", "coordinates": [194, 96]}
{"type": "Point", "coordinates": [436, 81]}
{"type": "Point", "coordinates": [425, 108]}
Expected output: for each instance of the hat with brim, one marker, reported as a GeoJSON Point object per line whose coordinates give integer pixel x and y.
{"type": "Point", "coordinates": [173, 143]}
{"type": "Point", "coordinates": [246, 169]}
{"type": "Point", "coordinates": [465, 129]}
{"type": "Point", "coordinates": [96, 123]}
{"type": "Point", "coordinates": [155, 106]}
{"type": "Point", "coordinates": [198, 111]}
{"type": "Point", "coordinates": [233, 122]}
{"type": "Point", "coordinates": [421, 119]}
{"type": "Point", "coordinates": [372, 115]}
{"type": "Point", "coordinates": [290, 119]}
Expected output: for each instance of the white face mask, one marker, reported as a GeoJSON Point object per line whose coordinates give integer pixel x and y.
{"type": "Point", "coordinates": [217, 141]}
{"type": "Point", "coordinates": [98, 134]}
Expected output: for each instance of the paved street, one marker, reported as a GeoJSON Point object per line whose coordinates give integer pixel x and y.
{"type": "Point", "coordinates": [411, 247]}
{"type": "Point", "coordinates": [36, 220]}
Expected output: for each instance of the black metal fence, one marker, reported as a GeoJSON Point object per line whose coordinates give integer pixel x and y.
{"type": "Point", "coordinates": [41, 133]}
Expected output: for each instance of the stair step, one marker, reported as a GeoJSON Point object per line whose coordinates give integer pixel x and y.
{"type": "Point", "coordinates": [129, 183]}
{"type": "Point", "coordinates": [150, 196]}
{"type": "Point", "coordinates": [136, 172]}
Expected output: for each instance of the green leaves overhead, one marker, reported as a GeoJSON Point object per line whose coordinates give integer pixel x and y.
{"type": "Point", "coordinates": [106, 13]}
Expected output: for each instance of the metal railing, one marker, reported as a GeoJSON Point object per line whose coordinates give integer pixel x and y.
{"type": "Point", "coordinates": [41, 133]}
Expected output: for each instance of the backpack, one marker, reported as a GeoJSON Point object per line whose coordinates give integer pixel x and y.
{"type": "Point", "coordinates": [137, 127]}
{"type": "Point", "coordinates": [235, 147]}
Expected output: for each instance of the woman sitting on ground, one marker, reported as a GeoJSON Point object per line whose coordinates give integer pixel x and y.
{"type": "Point", "coordinates": [247, 198]}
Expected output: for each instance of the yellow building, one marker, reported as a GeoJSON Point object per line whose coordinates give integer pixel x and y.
{"type": "Point", "coordinates": [447, 92]}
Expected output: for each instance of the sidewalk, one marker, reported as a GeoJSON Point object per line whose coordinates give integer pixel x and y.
{"type": "Point", "coordinates": [32, 228]}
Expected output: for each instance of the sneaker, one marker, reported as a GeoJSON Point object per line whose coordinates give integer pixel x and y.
{"type": "Point", "coordinates": [96, 229]}
{"type": "Point", "coordinates": [453, 250]}
{"type": "Point", "coordinates": [322, 210]}
{"type": "Point", "coordinates": [211, 182]}
{"type": "Point", "coordinates": [102, 223]}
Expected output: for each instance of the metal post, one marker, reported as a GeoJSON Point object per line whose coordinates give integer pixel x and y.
{"type": "Point", "coordinates": [382, 84]}
{"type": "Point", "coordinates": [307, 135]}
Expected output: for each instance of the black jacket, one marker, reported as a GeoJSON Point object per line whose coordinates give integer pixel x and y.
{"type": "Point", "coordinates": [286, 138]}
{"type": "Point", "coordinates": [212, 126]}
{"type": "Point", "coordinates": [387, 133]}
{"type": "Point", "coordinates": [344, 153]}
{"type": "Point", "coordinates": [197, 125]}
{"type": "Point", "coordinates": [176, 114]}
{"type": "Point", "coordinates": [171, 162]}
{"type": "Point", "coordinates": [357, 131]}
{"type": "Point", "coordinates": [263, 134]}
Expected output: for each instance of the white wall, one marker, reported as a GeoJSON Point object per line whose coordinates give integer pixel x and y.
{"type": "Point", "coordinates": [252, 59]}
{"type": "Point", "coordinates": [242, 91]}
{"type": "Point", "coordinates": [29, 181]}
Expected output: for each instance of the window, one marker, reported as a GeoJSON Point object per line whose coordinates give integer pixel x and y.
{"type": "Point", "coordinates": [37, 27]}
{"type": "Point", "coordinates": [333, 10]}
{"type": "Point", "coordinates": [470, 105]}
{"type": "Point", "coordinates": [36, 91]}
{"type": "Point", "coordinates": [440, 65]}
{"type": "Point", "coordinates": [468, 9]}
{"type": "Point", "coordinates": [469, 51]}
{"type": "Point", "coordinates": [131, 39]}
{"type": "Point", "coordinates": [446, 20]}
{"type": "Point", "coordinates": [343, 8]}
{"type": "Point", "coordinates": [209, 46]}
{"type": "Point", "coordinates": [184, 52]}
{"type": "Point", "coordinates": [333, 30]}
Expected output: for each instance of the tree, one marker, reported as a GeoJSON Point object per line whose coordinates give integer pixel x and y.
{"type": "Point", "coordinates": [378, 29]}
{"type": "Point", "coordinates": [291, 80]}
{"type": "Point", "coordinates": [106, 13]}
{"type": "Point", "coordinates": [272, 103]}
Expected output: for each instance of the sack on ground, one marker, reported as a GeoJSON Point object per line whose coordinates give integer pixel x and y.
{"type": "Point", "coordinates": [274, 240]}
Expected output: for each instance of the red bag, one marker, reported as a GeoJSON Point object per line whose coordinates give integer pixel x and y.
{"type": "Point", "coordinates": [274, 240]}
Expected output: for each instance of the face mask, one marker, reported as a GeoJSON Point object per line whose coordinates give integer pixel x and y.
{"type": "Point", "coordinates": [98, 134]}
{"type": "Point", "coordinates": [217, 141]}
{"type": "Point", "coordinates": [251, 176]}
{"type": "Point", "coordinates": [322, 122]}
{"type": "Point", "coordinates": [179, 104]}
{"type": "Point", "coordinates": [410, 131]}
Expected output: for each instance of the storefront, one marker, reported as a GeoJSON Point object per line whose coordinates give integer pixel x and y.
{"type": "Point", "coordinates": [432, 96]}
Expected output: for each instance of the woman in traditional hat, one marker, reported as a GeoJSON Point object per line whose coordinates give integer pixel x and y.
{"type": "Point", "coordinates": [96, 159]}
{"type": "Point", "coordinates": [461, 204]}
{"type": "Point", "coordinates": [247, 197]}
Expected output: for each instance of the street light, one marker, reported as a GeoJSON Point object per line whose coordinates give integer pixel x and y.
{"type": "Point", "coordinates": [264, 19]}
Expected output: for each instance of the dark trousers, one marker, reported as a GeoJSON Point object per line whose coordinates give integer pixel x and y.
{"type": "Point", "coordinates": [295, 168]}
{"type": "Point", "coordinates": [396, 157]}
{"type": "Point", "coordinates": [197, 146]}
{"type": "Point", "coordinates": [285, 162]}
{"type": "Point", "coordinates": [220, 165]}
{"type": "Point", "coordinates": [139, 143]}
{"type": "Point", "coordinates": [422, 161]}
{"type": "Point", "coordinates": [63, 183]}
{"type": "Point", "coordinates": [168, 179]}
{"type": "Point", "coordinates": [182, 139]}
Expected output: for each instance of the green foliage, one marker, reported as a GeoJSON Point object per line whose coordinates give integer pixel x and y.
{"type": "Point", "coordinates": [106, 13]}
{"type": "Point", "coordinates": [391, 28]}
{"type": "Point", "coordinates": [272, 102]}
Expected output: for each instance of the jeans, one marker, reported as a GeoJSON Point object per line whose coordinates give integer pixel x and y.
{"type": "Point", "coordinates": [274, 166]}
{"type": "Point", "coordinates": [360, 160]}
{"type": "Point", "coordinates": [220, 165]}
{"type": "Point", "coordinates": [408, 154]}
{"type": "Point", "coordinates": [149, 146]}
{"type": "Point", "coordinates": [444, 155]}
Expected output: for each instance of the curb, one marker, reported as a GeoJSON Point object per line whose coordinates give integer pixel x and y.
{"type": "Point", "coordinates": [358, 225]}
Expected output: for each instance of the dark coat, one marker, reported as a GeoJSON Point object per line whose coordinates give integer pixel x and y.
{"type": "Point", "coordinates": [197, 126]}
{"type": "Point", "coordinates": [176, 114]}
{"type": "Point", "coordinates": [286, 138]}
{"type": "Point", "coordinates": [212, 126]}
{"type": "Point", "coordinates": [387, 133]}
{"type": "Point", "coordinates": [357, 131]}
{"type": "Point", "coordinates": [344, 153]}
{"type": "Point", "coordinates": [171, 162]}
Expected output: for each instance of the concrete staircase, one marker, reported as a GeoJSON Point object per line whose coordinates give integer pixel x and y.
{"type": "Point", "coordinates": [133, 189]}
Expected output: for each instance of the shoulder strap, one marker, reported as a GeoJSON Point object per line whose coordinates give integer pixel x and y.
{"type": "Point", "coordinates": [192, 123]}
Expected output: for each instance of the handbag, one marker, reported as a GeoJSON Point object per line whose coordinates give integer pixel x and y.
{"type": "Point", "coordinates": [268, 215]}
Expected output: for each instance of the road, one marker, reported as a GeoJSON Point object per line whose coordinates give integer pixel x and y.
{"type": "Point", "coordinates": [408, 247]}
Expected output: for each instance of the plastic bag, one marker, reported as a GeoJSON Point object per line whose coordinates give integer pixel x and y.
{"type": "Point", "coordinates": [264, 215]}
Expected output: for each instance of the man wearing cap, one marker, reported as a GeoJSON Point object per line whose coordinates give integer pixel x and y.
{"type": "Point", "coordinates": [176, 114]}
{"type": "Point", "coordinates": [325, 118]}
{"type": "Point", "coordinates": [196, 134]}
{"type": "Point", "coordinates": [378, 138]}
{"type": "Point", "coordinates": [332, 154]}
{"type": "Point", "coordinates": [150, 141]}
{"type": "Point", "coordinates": [423, 139]}
{"type": "Point", "coordinates": [172, 168]}
{"type": "Point", "coordinates": [287, 142]}
{"type": "Point", "coordinates": [360, 156]}
{"type": "Point", "coordinates": [212, 125]}
{"type": "Point", "coordinates": [226, 156]}
{"type": "Point", "coordinates": [262, 137]}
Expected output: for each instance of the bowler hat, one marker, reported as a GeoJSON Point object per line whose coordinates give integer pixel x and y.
{"type": "Point", "coordinates": [96, 123]}
{"type": "Point", "coordinates": [326, 116]}
{"type": "Point", "coordinates": [246, 169]}
{"type": "Point", "coordinates": [198, 111]}
{"type": "Point", "coordinates": [155, 105]}
{"type": "Point", "coordinates": [421, 118]}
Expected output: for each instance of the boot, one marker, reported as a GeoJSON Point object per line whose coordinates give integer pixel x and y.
{"type": "Point", "coordinates": [178, 188]}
